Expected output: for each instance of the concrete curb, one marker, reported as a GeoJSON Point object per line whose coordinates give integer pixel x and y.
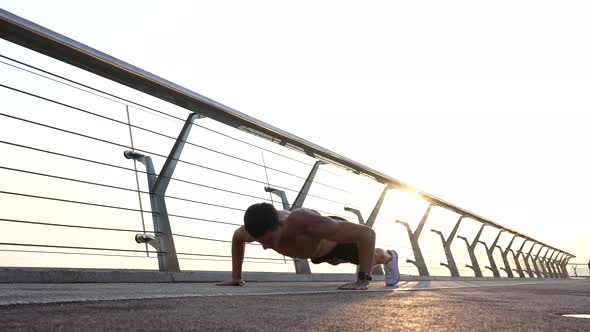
{"type": "Point", "coordinates": [44, 275]}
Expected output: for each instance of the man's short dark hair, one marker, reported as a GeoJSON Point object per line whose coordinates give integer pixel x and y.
{"type": "Point", "coordinates": [260, 218]}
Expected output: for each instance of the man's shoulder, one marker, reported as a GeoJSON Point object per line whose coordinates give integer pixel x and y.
{"type": "Point", "coordinates": [307, 218]}
{"type": "Point", "coordinates": [302, 214]}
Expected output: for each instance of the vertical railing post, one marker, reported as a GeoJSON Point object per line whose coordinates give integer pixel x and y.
{"type": "Point", "coordinates": [504, 253]}
{"type": "Point", "coordinates": [552, 273]}
{"type": "Point", "coordinates": [490, 252]}
{"type": "Point", "coordinates": [419, 259]}
{"type": "Point", "coordinates": [556, 266]}
{"type": "Point", "coordinates": [516, 256]}
{"type": "Point", "coordinates": [471, 249]}
{"type": "Point", "coordinates": [562, 265]}
{"type": "Point", "coordinates": [518, 267]}
{"type": "Point", "coordinates": [486, 266]}
{"type": "Point", "coordinates": [535, 260]}
{"type": "Point", "coordinates": [302, 265]}
{"type": "Point", "coordinates": [566, 263]}
{"type": "Point", "coordinates": [526, 261]}
{"type": "Point", "coordinates": [450, 264]}
{"type": "Point", "coordinates": [306, 185]}
{"type": "Point", "coordinates": [164, 240]}
{"type": "Point", "coordinates": [543, 263]}
{"type": "Point", "coordinates": [373, 216]}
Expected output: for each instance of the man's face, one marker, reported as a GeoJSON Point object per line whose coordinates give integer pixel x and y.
{"type": "Point", "coordinates": [269, 239]}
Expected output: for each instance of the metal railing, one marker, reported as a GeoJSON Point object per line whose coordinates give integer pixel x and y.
{"type": "Point", "coordinates": [203, 163]}
{"type": "Point", "coordinates": [578, 269]}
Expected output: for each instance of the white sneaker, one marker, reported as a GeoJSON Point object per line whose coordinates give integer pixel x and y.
{"type": "Point", "coordinates": [391, 270]}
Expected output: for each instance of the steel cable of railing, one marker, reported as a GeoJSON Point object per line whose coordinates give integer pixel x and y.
{"type": "Point", "coordinates": [74, 247]}
{"type": "Point", "coordinates": [227, 260]}
{"type": "Point", "coordinates": [152, 132]}
{"type": "Point", "coordinates": [72, 180]}
{"type": "Point", "coordinates": [78, 85]}
{"type": "Point", "coordinates": [158, 113]}
{"type": "Point", "coordinates": [178, 216]}
{"type": "Point", "coordinates": [67, 156]}
{"type": "Point", "coordinates": [128, 189]}
{"type": "Point", "coordinates": [159, 155]}
{"type": "Point", "coordinates": [76, 226]}
{"type": "Point", "coordinates": [119, 188]}
{"type": "Point", "coordinates": [201, 238]}
{"type": "Point", "coordinates": [136, 177]}
{"type": "Point", "coordinates": [226, 256]}
{"type": "Point", "coordinates": [118, 207]}
{"type": "Point", "coordinates": [87, 182]}
{"type": "Point", "coordinates": [222, 241]}
{"type": "Point", "coordinates": [76, 202]}
{"type": "Point", "coordinates": [149, 152]}
{"type": "Point", "coordinates": [110, 229]}
{"type": "Point", "coordinates": [75, 253]}
{"type": "Point", "coordinates": [209, 239]}
{"type": "Point", "coordinates": [94, 114]}
{"type": "Point", "coordinates": [166, 115]}
{"type": "Point", "coordinates": [114, 166]}
{"type": "Point", "coordinates": [215, 188]}
{"type": "Point", "coordinates": [402, 258]}
{"type": "Point", "coordinates": [126, 147]}
{"type": "Point", "coordinates": [332, 214]}
{"type": "Point", "coordinates": [202, 219]}
{"type": "Point", "coordinates": [128, 256]}
{"type": "Point", "coordinates": [205, 203]}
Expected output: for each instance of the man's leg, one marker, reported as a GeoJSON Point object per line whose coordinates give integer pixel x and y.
{"type": "Point", "coordinates": [386, 257]}
{"type": "Point", "coordinates": [389, 260]}
{"type": "Point", "coordinates": [381, 256]}
{"type": "Point", "coordinates": [335, 261]}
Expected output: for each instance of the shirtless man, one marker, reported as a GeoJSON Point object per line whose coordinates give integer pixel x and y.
{"type": "Point", "coordinates": [304, 233]}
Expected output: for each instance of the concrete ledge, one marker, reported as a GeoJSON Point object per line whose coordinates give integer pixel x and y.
{"type": "Point", "coordinates": [44, 275]}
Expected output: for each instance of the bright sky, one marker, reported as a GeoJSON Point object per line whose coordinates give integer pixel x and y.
{"type": "Point", "coordinates": [479, 103]}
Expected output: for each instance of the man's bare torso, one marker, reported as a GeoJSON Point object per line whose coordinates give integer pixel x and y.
{"type": "Point", "coordinates": [295, 242]}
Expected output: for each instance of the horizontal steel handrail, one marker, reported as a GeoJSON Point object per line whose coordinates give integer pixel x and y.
{"type": "Point", "coordinates": [35, 37]}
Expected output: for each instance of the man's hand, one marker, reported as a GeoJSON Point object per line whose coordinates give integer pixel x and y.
{"type": "Point", "coordinates": [232, 283]}
{"type": "Point", "coordinates": [358, 285]}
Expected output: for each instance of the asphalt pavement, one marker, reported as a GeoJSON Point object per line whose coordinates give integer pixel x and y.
{"type": "Point", "coordinates": [524, 305]}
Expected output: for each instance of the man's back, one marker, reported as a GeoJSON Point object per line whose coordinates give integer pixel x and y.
{"type": "Point", "coordinates": [296, 238]}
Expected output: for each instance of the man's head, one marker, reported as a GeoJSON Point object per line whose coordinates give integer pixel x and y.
{"type": "Point", "coordinates": [261, 220]}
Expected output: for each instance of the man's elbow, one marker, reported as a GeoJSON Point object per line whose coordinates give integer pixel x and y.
{"type": "Point", "coordinates": [370, 233]}
{"type": "Point", "coordinates": [238, 235]}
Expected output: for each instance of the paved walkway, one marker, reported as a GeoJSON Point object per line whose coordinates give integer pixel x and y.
{"type": "Point", "coordinates": [57, 293]}
{"type": "Point", "coordinates": [507, 305]}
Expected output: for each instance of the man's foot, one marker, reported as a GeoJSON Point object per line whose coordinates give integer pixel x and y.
{"type": "Point", "coordinates": [391, 270]}
{"type": "Point", "coordinates": [358, 285]}
{"type": "Point", "coordinates": [231, 283]}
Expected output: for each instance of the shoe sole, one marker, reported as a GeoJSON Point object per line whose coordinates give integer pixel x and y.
{"type": "Point", "coordinates": [395, 280]}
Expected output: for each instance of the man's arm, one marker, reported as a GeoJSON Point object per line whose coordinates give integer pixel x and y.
{"type": "Point", "coordinates": [238, 247]}
{"type": "Point", "coordinates": [318, 226]}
